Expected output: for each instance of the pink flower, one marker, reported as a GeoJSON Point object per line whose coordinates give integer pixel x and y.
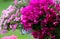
{"type": "Point", "coordinates": [59, 0]}
{"type": "Point", "coordinates": [15, 2]}
{"type": "Point", "coordinates": [4, 13]}
{"type": "Point", "coordinates": [17, 12]}
{"type": "Point", "coordinates": [1, 21]}
{"type": "Point", "coordinates": [8, 11]}
{"type": "Point", "coordinates": [10, 37]}
{"type": "Point", "coordinates": [0, 28]}
{"type": "Point", "coordinates": [38, 14]}
{"type": "Point", "coordinates": [54, 1]}
{"type": "Point", "coordinates": [15, 26]}
{"type": "Point", "coordinates": [5, 21]}
{"type": "Point", "coordinates": [11, 26]}
{"type": "Point", "coordinates": [11, 7]}
{"type": "Point", "coordinates": [11, 18]}
{"type": "Point", "coordinates": [17, 19]}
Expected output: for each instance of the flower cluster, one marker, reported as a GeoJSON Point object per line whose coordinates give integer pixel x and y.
{"type": "Point", "coordinates": [42, 17]}
{"type": "Point", "coordinates": [6, 13]}
{"type": "Point", "coordinates": [10, 19]}
{"type": "Point", "coordinates": [10, 37]}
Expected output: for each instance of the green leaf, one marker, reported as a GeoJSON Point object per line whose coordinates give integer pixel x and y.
{"type": "Point", "coordinates": [47, 37]}
{"type": "Point", "coordinates": [57, 32]}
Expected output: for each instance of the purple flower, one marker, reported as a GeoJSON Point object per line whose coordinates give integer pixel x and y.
{"type": "Point", "coordinates": [3, 31]}
{"type": "Point", "coordinates": [5, 26]}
